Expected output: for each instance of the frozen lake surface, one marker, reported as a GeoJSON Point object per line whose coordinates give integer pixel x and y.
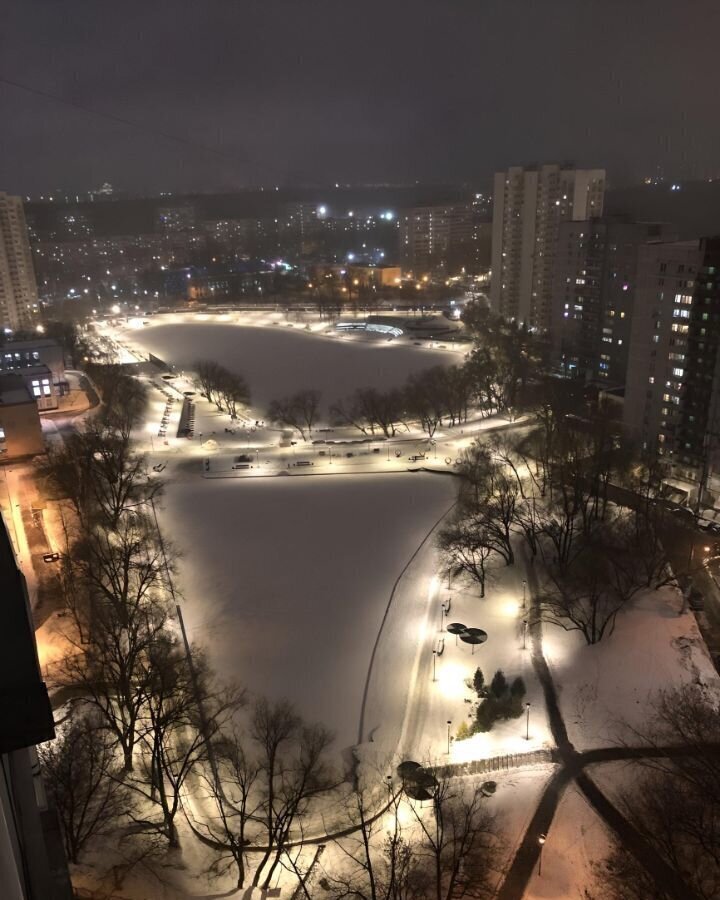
{"type": "Point", "coordinates": [286, 580]}
{"type": "Point", "coordinates": [277, 360]}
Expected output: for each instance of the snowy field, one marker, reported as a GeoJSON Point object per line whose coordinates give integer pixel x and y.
{"type": "Point", "coordinates": [278, 360]}
{"type": "Point", "coordinates": [286, 582]}
{"type": "Point", "coordinates": [611, 685]}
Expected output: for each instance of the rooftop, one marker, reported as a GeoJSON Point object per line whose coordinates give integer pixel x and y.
{"type": "Point", "coordinates": [13, 390]}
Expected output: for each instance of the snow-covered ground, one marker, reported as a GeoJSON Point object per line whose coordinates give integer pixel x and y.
{"type": "Point", "coordinates": [286, 582]}
{"type": "Point", "coordinates": [277, 360]}
{"type": "Point", "coordinates": [613, 682]}
{"type": "Point", "coordinates": [577, 840]}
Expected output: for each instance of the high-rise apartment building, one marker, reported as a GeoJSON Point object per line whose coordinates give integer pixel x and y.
{"type": "Point", "coordinates": [672, 401]}
{"type": "Point", "coordinates": [528, 206]}
{"type": "Point", "coordinates": [18, 290]}
{"type": "Point", "coordinates": [593, 294]}
{"type": "Point", "coordinates": [437, 239]}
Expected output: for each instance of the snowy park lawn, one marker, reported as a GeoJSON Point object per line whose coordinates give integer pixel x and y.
{"type": "Point", "coordinates": [286, 581]}
{"type": "Point", "coordinates": [613, 682]}
{"type": "Point", "coordinates": [277, 360]}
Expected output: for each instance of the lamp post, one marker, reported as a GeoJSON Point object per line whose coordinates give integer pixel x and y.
{"type": "Point", "coordinates": [527, 721]}
{"type": "Point", "coordinates": [434, 659]}
{"type": "Point", "coordinates": [442, 616]}
{"type": "Point", "coordinates": [541, 840]}
{"type": "Point", "coordinates": [449, 723]}
{"type": "Point", "coordinates": [524, 634]}
{"type": "Point", "coordinates": [524, 587]}
{"type": "Point", "coordinates": [388, 781]}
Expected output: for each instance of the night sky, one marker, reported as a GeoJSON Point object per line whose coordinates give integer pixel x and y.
{"type": "Point", "coordinates": [318, 91]}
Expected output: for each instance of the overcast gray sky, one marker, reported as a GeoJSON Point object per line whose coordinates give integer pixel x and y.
{"type": "Point", "coordinates": [297, 91]}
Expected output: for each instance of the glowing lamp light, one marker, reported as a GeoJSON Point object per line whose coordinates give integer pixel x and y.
{"type": "Point", "coordinates": [115, 309]}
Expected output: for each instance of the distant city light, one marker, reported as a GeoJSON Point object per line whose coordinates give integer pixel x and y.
{"type": "Point", "coordinates": [351, 256]}
{"type": "Point", "coordinates": [40, 329]}
{"type": "Point", "coordinates": [322, 211]}
{"type": "Point", "coordinates": [387, 215]}
{"type": "Point", "coordinates": [115, 309]}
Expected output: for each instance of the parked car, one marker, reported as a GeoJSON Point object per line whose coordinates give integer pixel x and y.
{"type": "Point", "coordinates": [243, 458]}
{"type": "Point", "coordinates": [417, 457]}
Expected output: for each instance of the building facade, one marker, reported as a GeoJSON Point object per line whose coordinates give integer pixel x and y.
{"type": "Point", "coordinates": [18, 289]}
{"type": "Point", "coordinates": [32, 861]}
{"type": "Point", "coordinates": [593, 294]}
{"type": "Point", "coordinates": [20, 431]}
{"type": "Point", "coordinates": [437, 239]}
{"type": "Point", "coordinates": [528, 206]}
{"type": "Point", "coordinates": [19, 355]}
{"type": "Point", "coordinates": [672, 403]}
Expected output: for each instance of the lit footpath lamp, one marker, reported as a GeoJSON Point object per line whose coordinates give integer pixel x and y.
{"type": "Point", "coordinates": [527, 721]}
{"type": "Point", "coordinates": [541, 840]}
{"type": "Point", "coordinates": [449, 723]}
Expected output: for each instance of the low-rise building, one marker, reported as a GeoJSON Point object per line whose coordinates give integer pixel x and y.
{"type": "Point", "coordinates": [20, 431]}
{"type": "Point", "coordinates": [41, 352]}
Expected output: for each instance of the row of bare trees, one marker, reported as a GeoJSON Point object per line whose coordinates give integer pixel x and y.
{"type": "Point", "coordinates": [495, 377]}
{"type": "Point", "coordinates": [227, 390]}
{"type": "Point", "coordinates": [550, 488]}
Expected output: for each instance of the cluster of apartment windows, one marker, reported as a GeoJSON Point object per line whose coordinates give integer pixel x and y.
{"type": "Point", "coordinates": [18, 360]}
{"type": "Point", "coordinates": [41, 387]}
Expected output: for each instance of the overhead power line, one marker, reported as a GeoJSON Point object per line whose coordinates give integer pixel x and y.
{"type": "Point", "coordinates": [121, 120]}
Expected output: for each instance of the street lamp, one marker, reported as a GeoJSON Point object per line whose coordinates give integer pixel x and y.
{"type": "Point", "coordinates": [527, 721]}
{"type": "Point", "coordinates": [524, 586]}
{"type": "Point", "coordinates": [442, 616]}
{"type": "Point", "coordinates": [449, 723]}
{"type": "Point", "coordinates": [524, 634]}
{"type": "Point", "coordinates": [434, 659]}
{"type": "Point", "coordinates": [541, 840]}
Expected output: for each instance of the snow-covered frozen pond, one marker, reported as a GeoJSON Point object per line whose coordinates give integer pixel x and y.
{"type": "Point", "coordinates": [286, 580]}
{"type": "Point", "coordinates": [277, 360]}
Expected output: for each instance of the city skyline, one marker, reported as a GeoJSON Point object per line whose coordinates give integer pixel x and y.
{"type": "Point", "coordinates": [182, 99]}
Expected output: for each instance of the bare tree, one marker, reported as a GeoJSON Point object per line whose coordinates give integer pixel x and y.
{"type": "Point", "coordinates": [79, 776]}
{"type": "Point", "coordinates": [294, 770]}
{"type": "Point", "coordinates": [675, 802]}
{"type": "Point", "coordinates": [586, 595]}
{"type": "Point", "coordinates": [459, 842]}
{"type": "Point", "coordinates": [445, 854]}
{"type": "Point", "coordinates": [298, 411]}
{"type": "Point", "coordinates": [114, 589]}
{"type": "Point", "coordinates": [466, 548]}
{"type": "Point", "coordinates": [375, 867]}
{"type": "Point", "coordinates": [101, 475]}
{"type": "Point", "coordinates": [124, 398]}
{"type": "Point", "coordinates": [236, 799]}
{"type": "Point", "coordinates": [182, 714]}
